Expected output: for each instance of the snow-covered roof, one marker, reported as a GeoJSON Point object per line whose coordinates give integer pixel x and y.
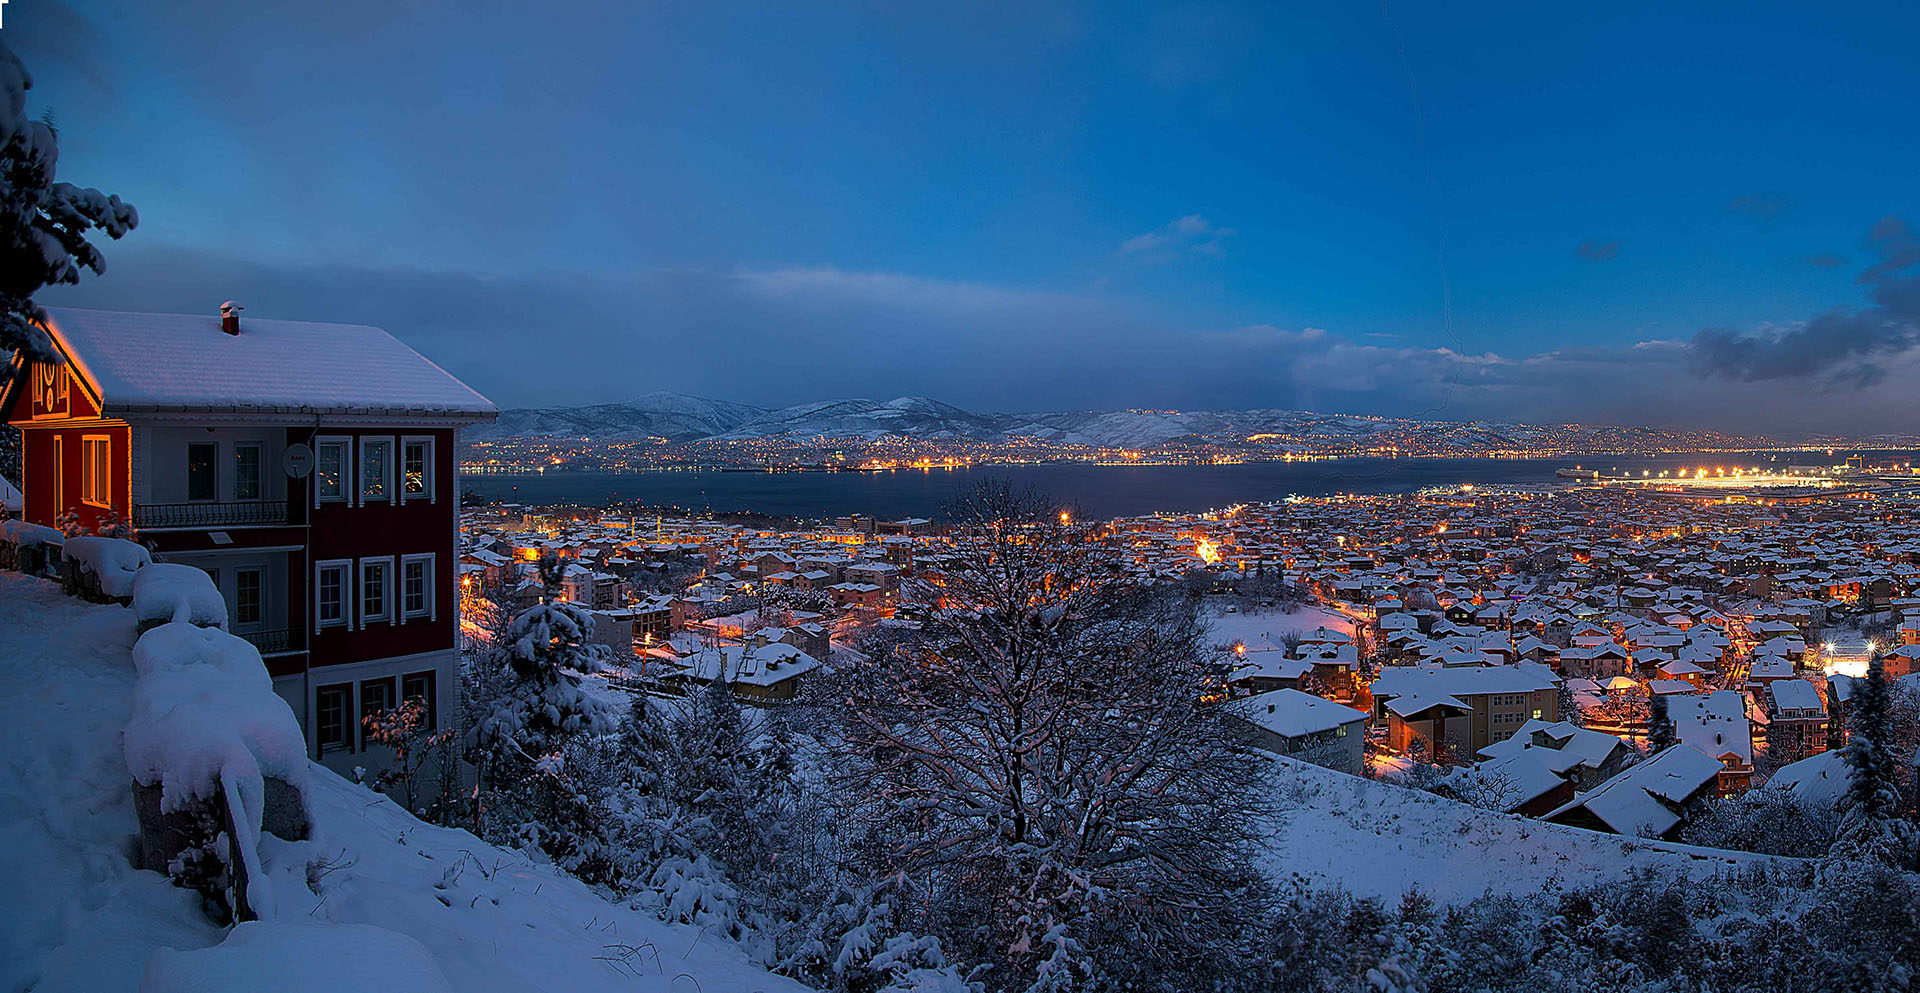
{"type": "Point", "coordinates": [1291, 713]}
{"type": "Point", "coordinates": [184, 362]}
{"type": "Point", "coordinates": [1644, 800]}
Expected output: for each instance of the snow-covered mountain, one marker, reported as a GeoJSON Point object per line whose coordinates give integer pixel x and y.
{"type": "Point", "coordinates": [661, 414]}
{"type": "Point", "coordinates": [684, 418]}
{"type": "Point", "coordinates": [917, 417]}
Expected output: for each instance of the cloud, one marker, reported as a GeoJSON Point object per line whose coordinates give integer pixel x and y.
{"type": "Point", "coordinates": [1592, 250]}
{"type": "Point", "coordinates": [1826, 260]}
{"type": "Point", "coordinates": [1762, 205]}
{"type": "Point", "coordinates": [1192, 234]}
{"type": "Point", "coordinates": [791, 334]}
{"type": "Point", "coordinates": [1841, 347]}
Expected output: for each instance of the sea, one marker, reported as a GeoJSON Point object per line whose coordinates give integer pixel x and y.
{"type": "Point", "coordinates": [1096, 491]}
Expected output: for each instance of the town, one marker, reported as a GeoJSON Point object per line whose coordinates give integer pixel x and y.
{"type": "Point", "coordinates": [1447, 625]}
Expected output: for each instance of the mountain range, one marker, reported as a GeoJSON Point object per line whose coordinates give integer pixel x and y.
{"type": "Point", "coordinates": [680, 418]}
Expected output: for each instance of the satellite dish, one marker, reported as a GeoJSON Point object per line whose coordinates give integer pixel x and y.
{"type": "Point", "coordinates": [298, 461]}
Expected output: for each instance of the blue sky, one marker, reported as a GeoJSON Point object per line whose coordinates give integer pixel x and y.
{"type": "Point", "coordinates": [1524, 211]}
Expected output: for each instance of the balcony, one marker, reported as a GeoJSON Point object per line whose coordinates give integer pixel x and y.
{"type": "Point", "coordinates": [209, 515]}
{"type": "Point", "coordinates": [270, 642]}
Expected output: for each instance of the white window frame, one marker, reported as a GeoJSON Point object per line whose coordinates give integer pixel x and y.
{"type": "Point", "coordinates": [96, 481]}
{"type": "Point", "coordinates": [360, 493]}
{"type": "Point", "coordinates": [259, 471]}
{"type": "Point", "coordinates": [59, 474]}
{"type": "Point", "coordinates": [347, 592]}
{"type": "Point", "coordinates": [426, 474]}
{"type": "Point", "coordinates": [385, 564]}
{"type": "Point", "coordinates": [346, 469]}
{"type": "Point", "coordinates": [429, 609]}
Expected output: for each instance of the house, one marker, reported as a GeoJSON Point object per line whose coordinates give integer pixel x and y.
{"type": "Point", "coordinates": [1649, 800]}
{"type": "Point", "coordinates": [1717, 724]}
{"type": "Point", "coordinates": [1583, 756]}
{"type": "Point", "coordinates": [1303, 726]}
{"type": "Point", "coordinates": [1456, 710]}
{"type": "Point", "coordinates": [1796, 720]}
{"type": "Point", "coordinates": [757, 674]}
{"type": "Point", "coordinates": [308, 468]}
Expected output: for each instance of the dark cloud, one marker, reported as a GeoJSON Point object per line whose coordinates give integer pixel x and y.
{"type": "Point", "coordinates": [1842, 347]}
{"type": "Point", "coordinates": [1762, 205]}
{"type": "Point", "coordinates": [1826, 260]}
{"type": "Point", "coordinates": [1593, 250]}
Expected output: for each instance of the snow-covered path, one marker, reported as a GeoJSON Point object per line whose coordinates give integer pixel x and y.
{"type": "Point", "coordinates": [79, 917]}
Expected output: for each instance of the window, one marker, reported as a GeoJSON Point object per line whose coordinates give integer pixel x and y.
{"type": "Point", "coordinates": [376, 470]}
{"type": "Point", "coordinates": [330, 711]}
{"type": "Point", "coordinates": [96, 470]}
{"type": "Point", "coordinates": [420, 686]}
{"type": "Point", "coordinates": [330, 462]}
{"type": "Point", "coordinates": [246, 472]}
{"type": "Point", "coordinates": [416, 586]}
{"type": "Point", "coordinates": [330, 593]}
{"type": "Point", "coordinates": [376, 696]}
{"type": "Point", "coordinates": [202, 480]}
{"type": "Point", "coordinates": [59, 475]}
{"type": "Point", "coordinates": [376, 593]}
{"type": "Point", "coordinates": [416, 468]}
{"type": "Point", "coordinates": [246, 596]}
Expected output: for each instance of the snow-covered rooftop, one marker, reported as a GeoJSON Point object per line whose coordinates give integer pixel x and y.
{"type": "Point", "coordinates": [166, 362]}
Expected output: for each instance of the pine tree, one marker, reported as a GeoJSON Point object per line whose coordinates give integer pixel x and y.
{"type": "Point", "coordinates": [1660, 731]}
{"type": "Point", "coordinates": [1871, 828]}
{"type": "Point", "coordinates": [43, 224]}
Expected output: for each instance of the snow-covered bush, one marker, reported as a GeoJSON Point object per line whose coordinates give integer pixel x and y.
{"type": "Point", "coordinates": [103, 568]}
{"type": "Point", "coordinates": [167, 591]}
{"type": "Point", "coordinates": [29, 548]}
{"type": "Point", "coordinates": [208, 730]}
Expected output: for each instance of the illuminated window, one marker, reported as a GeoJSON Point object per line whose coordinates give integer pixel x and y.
{"type": "Point", "coordinates": [416, 468]}
{"type": "Point", "coordinates": [376, 470]}
{"type": "Point", "coordinates": [96, 470]}
{"type": "Point", "coordinates": [330, 465]}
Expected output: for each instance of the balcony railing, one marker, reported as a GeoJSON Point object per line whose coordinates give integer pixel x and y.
{"type": "Point", "coordinates": [269, 642]}
{"type": "Point", "coordinates": [209, 515]}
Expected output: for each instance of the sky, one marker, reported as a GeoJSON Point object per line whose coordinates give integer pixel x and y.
{"type": "Point", "coordinates": [1678, 215]}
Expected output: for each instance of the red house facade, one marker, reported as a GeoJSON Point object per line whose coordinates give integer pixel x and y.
{"type": "Point", "coordinates": [308, 468]}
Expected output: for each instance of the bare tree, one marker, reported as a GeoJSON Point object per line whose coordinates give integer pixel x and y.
{"type": "Point", "coordinates": [1038, 762]}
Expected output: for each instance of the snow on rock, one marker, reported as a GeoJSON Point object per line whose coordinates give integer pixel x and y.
{"type": "Point", "coordinates": [114, 560]}
{"type": "Point", "coordinates": [81, 919]}
{"type": "Point", "coordinates": [206, 722]}
{"type": "Point", "coordinates": [168, 591]}
{"type": "Point", "coordinates": [298, 958]}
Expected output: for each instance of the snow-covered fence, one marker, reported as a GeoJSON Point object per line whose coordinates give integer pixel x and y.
{"type": "Point", "coordinates": [165, 592]}
{"type": "Point", "coordinates": [30, 548]}
{"type": "Point", "coordinates": [102, 569]}
{"type": "Point", "coordinates": [213, 750]}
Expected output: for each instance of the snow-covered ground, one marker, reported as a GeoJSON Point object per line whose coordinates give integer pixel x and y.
{"type": "Point", "coordinates": [79, 917]}
{"type": "Point", "coordinates": [1378, 839]}
{"type": "Point", "coordinates": [1267, 629]}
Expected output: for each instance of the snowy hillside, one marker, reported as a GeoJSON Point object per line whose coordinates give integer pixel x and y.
{"type": "Point", "coordinates": [1378, 839]}
{"type": "Point", "coordinates": [80, 918]}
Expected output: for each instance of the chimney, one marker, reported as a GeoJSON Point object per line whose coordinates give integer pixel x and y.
{"type": "Point", "coordinates": [230, 317]}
